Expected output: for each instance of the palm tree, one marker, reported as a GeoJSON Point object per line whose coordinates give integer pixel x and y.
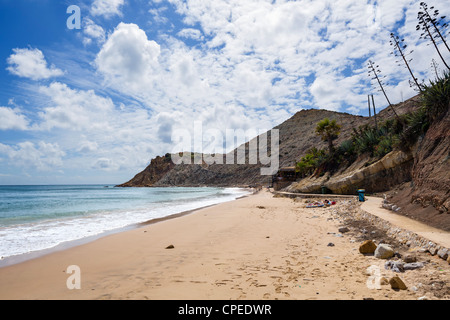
{"type": "Point", "coordinates": [329, 131]}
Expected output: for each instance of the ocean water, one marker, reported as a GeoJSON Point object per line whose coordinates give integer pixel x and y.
{"type": "Point", "coordinates": [34, 218]}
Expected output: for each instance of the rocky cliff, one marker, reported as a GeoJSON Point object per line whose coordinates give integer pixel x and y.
{"type": "Point", "coordinates": [297, 136]}
{"type": "Point", "coordinates": [154, 172]}
{"type": "Point", "coordinates": [390, 171]}
{"type": "Point", "coordinates": [427, 196]}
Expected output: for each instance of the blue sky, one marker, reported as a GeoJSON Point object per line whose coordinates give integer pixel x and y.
{"type": "Point", "coordinates": [94, 105]}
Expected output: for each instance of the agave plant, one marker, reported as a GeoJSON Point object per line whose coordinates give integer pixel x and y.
{"type": "Point", "coordinates": [436, 96]}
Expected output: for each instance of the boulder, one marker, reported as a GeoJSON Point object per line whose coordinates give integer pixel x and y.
{"type": "Point", "coordinates": [367, 247]}
{"type": "Point", "coordinates": [384, 251]}
{"type": "Point", "coordinates": [397, 283]}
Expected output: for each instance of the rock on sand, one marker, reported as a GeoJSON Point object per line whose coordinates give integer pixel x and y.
{"type": "Point", "coordinates": [384, 251]}
{"type": "Point", "coordinates": [367, 247]}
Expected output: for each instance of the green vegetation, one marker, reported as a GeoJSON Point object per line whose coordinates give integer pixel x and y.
{"type": "Point", "coordinates": [436, 96]}
{"type": "Point", "coordinates": [394, 134]}
{"type": "Point", "coordinates": [310, 162]}
{"type": "Point", "coordinates": [400, 133]}
{"type": "Point", "coordinates": [329, 131]}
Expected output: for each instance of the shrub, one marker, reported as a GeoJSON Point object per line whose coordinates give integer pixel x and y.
{"type": "Point", "coordinates": [436, 96]}
{"type": "Point", "coordinates": [309, 163]}
{"type": "Point", "coordinates": [366, 140]}
{"type": "Point", "coordinates": [384, 146]}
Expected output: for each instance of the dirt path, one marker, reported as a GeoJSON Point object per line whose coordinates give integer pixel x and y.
{"type": "Point", "coordinates": [373, 206]}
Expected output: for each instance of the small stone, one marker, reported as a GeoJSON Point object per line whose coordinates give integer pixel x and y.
{"type": "Point", "coordinates": [384, 251]}
{"type": "Point", "coordinates": [384, 281]}
{"type": "Point", "coordinates": [368, 299]}
{"type": "Point", "coordinates": [409, 258]}
{"type": "Point", "coordinates": [443, 253]}
{"type": "Point", "coordinates": [170, 247]}
{"type": "Point", "coordinates": [395, 266]}
{"type": "Point", "coordinates": [331, 244]}
{"type": "Point", "coordinates": [344, 230]}
{"type": "Point", "coordinates": [423, 298]}
{"type": "Point", "coordinates": [367, 247]}
{"type": "Point", "coordinates": [448, 259]}
{"type": "Point", "coordinates": [397, 283]}
{"type": "Point", "coordinates": [433, 251]}
{"type": "Point", "coordinates": [413, 266]}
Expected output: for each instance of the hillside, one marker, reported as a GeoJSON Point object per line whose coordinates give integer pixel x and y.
{"type": "Point", "coordinates": [297, 136]}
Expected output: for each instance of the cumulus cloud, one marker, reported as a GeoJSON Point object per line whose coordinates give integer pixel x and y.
{"type": "Point", "coordinates": [43, 156]}
{"type": "Point", "coordinates": [129, 57]}
{"type": "Point", "coordinates": [107, 8]}
{"type": "Point", "coordinates": [12, 119]}
{"type": "Point", "coordinates": [91, 127]}
{"type": "Point", "coordinates": [92, 31]}
{"type": "Point", "coordinates": [30, 63]}
{"type": "Point", "coordinates": [227, 64]}
{"type": "Point", "coordinates": [73, 109]}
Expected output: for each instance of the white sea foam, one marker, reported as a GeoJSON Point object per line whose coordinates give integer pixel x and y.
{"type": "Point", "coordinates": [17, 239]}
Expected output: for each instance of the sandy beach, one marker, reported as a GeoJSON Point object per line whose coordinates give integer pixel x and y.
{"type": "Point", "coordinates": [254, 248]}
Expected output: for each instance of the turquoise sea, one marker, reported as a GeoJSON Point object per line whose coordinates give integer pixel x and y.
{"type": "Point", "coordinates": [34, 218]}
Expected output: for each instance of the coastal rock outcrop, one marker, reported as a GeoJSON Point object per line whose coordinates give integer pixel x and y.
{"type": "Point", "coordinates": [155, 171]}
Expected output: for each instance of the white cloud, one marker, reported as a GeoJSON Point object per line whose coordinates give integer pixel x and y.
{"type": "Point", "coordinates": [88, 146]}
{"type": "Point", "coordinates": [12, 119]}
{"type": "Point", "coordinates": [253, 64]}
{"type": "Point", "coordinates": [158, 16]}
{"type": "Point", "coordinates": [41, 156]}
{"type": "Point", "coordinates": [30, 63]}
{"type": "Point", "coordinates": [190, 33]}
{"type": "Point", "coordinates": [90, 128]}
{"type": "Point", "coordinates": [73, 109]}
{"type": "Point", "coordinates": [107, 8]}
{"type": "Point", "coordinates": [128, 57]}
{"type": "Point", "coordinates": [92, 31]}
{"type": "Point", "coordinates": [105, 164]}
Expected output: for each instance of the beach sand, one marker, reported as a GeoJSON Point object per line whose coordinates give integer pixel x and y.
{"type": "Point", "coordinates": [257, 247]}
